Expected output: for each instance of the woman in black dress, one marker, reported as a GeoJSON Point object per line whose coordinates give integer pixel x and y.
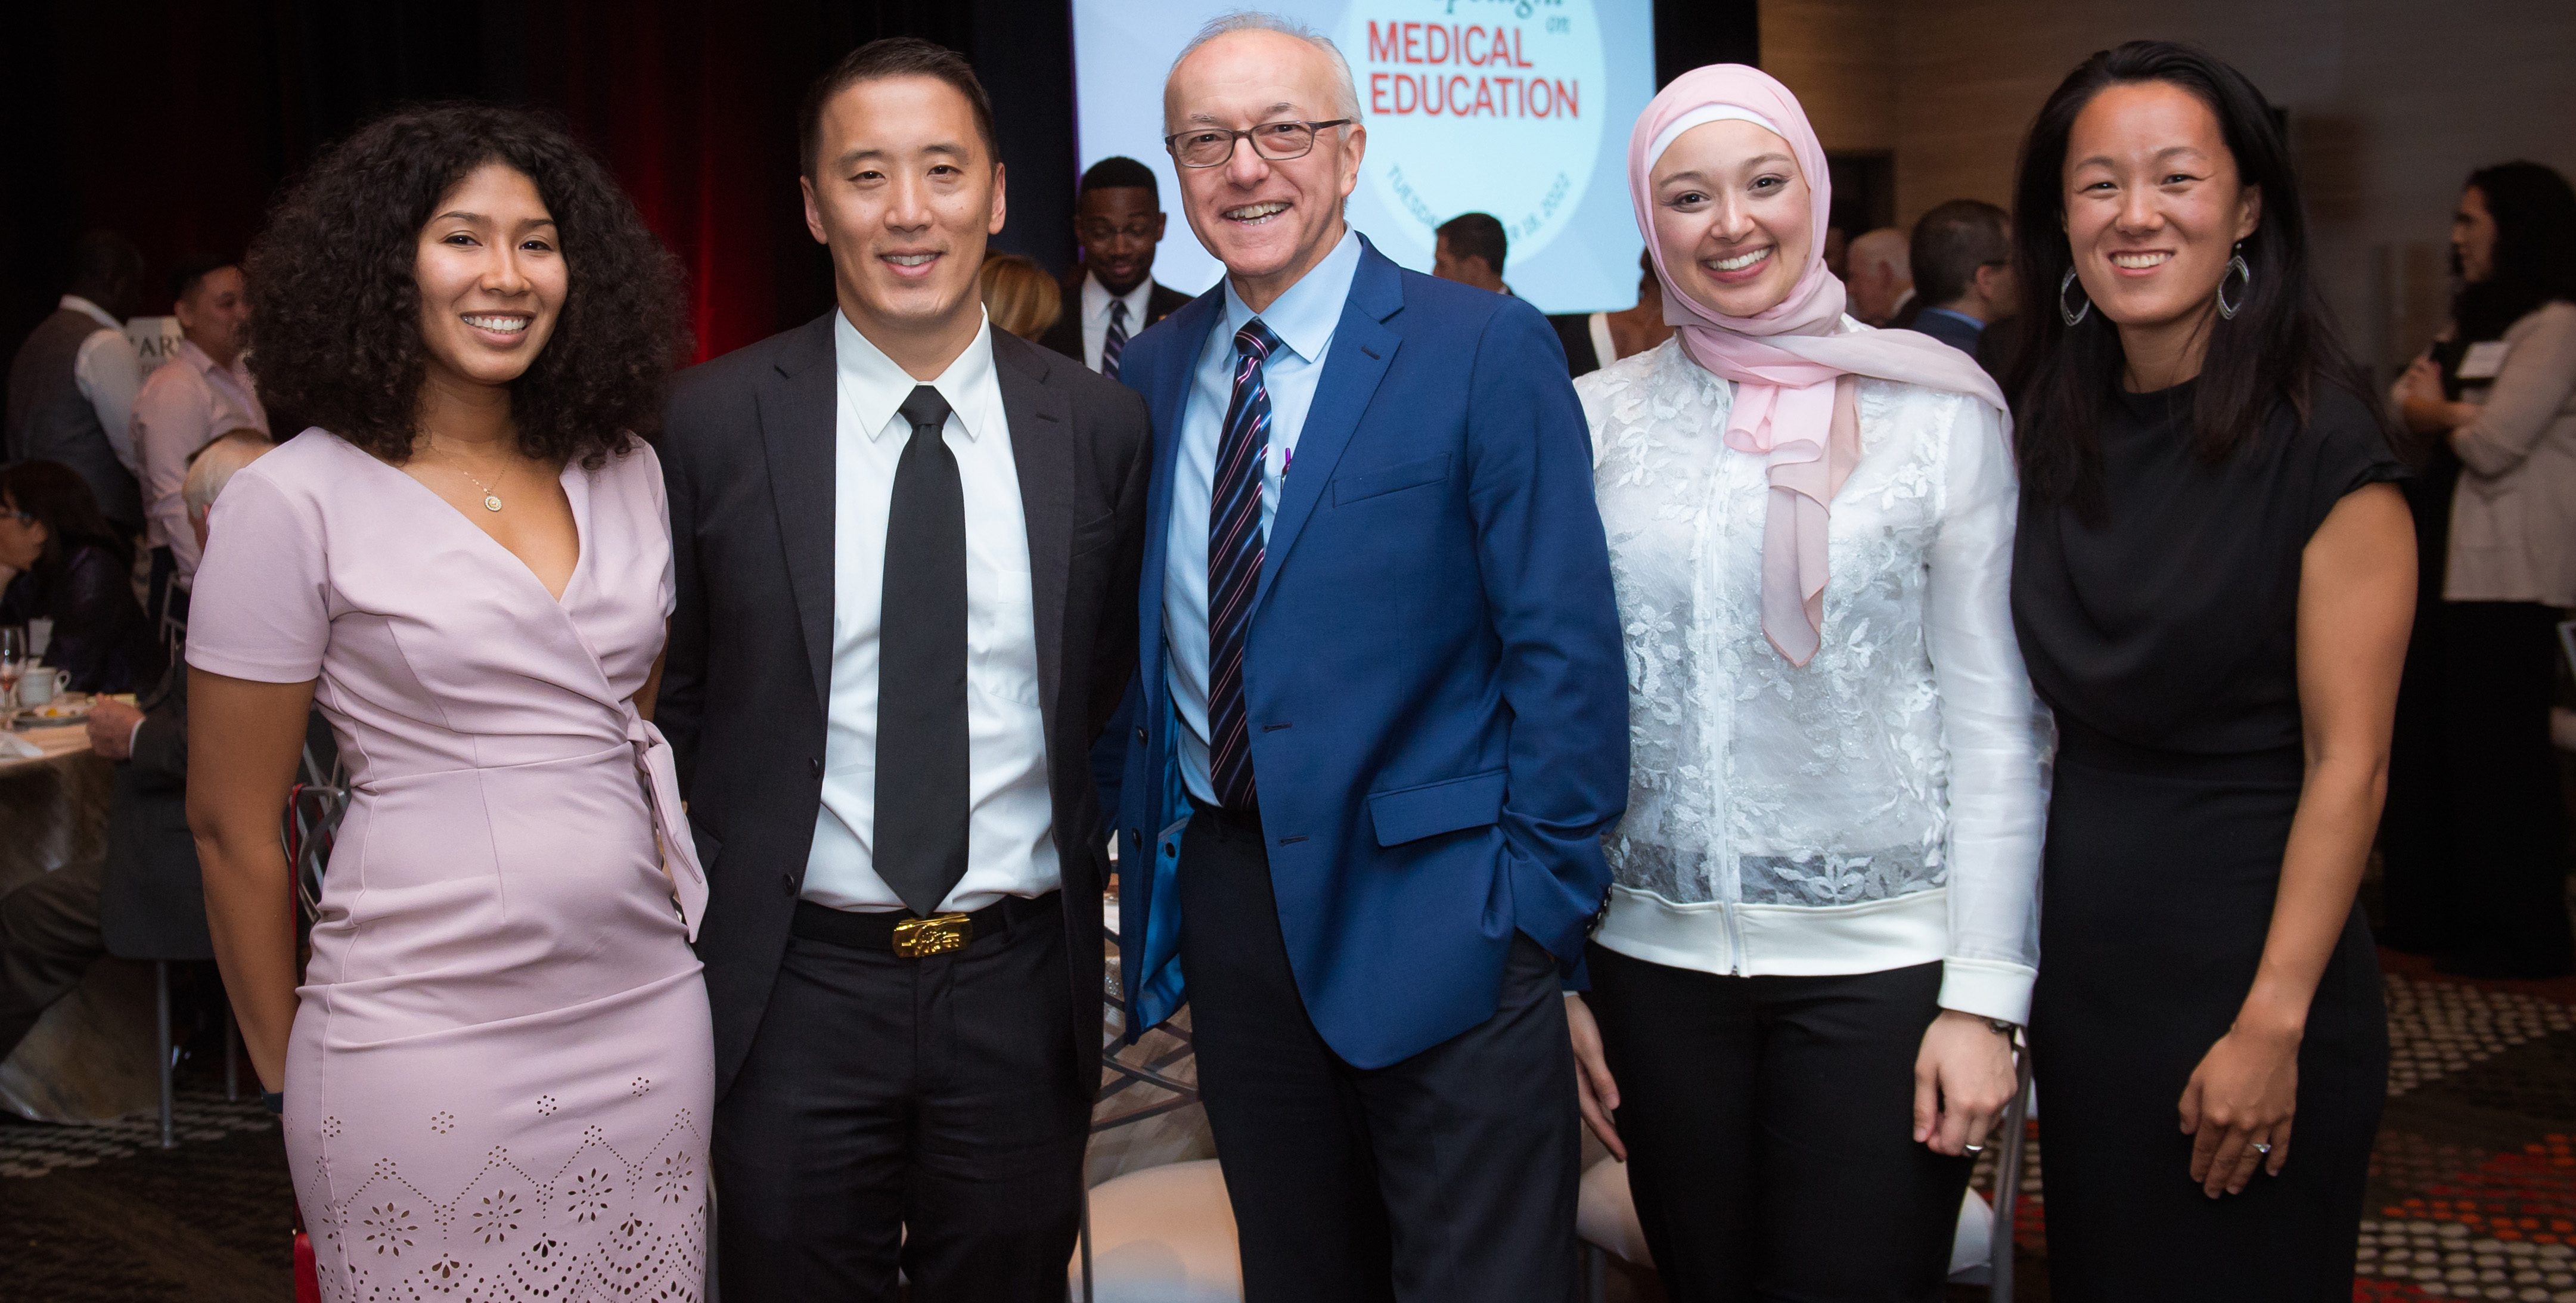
{"type": "Point", "coordinates": [2212, 586]}
{"type": "Point", "coordinates": [71, 568]}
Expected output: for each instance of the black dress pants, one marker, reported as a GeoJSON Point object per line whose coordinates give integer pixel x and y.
{"type": "Point", "coordinates": [920, 1113]}
{"type": "Point", "coordinates": [1770, 1131]}
{"type": "Point", "coordinates": [1448, 1176]}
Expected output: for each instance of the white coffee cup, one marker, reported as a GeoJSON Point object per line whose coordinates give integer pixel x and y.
{"type": "Point", "coordinates": [41, 684]}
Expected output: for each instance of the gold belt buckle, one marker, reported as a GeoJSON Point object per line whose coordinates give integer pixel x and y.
{"type": "Point", "coordinates": [920, 938]}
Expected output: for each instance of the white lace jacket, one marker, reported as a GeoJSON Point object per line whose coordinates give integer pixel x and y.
{"type": "Point", "coordinates": [1880, 807]}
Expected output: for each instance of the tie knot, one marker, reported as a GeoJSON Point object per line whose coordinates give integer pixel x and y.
{"type": "Point", "coordinates": [1256, 340]}
{"type": "Point", "coordinates": [925, 409]}
{"type": "Point", "coordinates": [1118, 311]}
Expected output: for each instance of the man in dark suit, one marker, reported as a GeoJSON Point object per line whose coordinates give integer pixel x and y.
{"type": "Point", "coordinates": [906, 547]}
{"type": "Point", "coordinates": [1118, 219]}
{"type": "Point", "coordinates": [1962, 258]}
{"type": "Point", "coordinates": [1384, 718]}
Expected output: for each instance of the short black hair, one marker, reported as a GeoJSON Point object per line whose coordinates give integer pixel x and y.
{"type": "Point", "coordinates": [1476, 235]}
{"type": "Point", "coordinates": [197, 267]}
{"type": "Point", "coordinates": [893, 56]}
{"type": "Point", "coordinates": [1951, 242]}
{"type": "Point", "coordinates": [1119, 172]}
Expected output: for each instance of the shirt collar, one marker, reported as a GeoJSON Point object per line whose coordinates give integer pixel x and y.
{"type": "Point", "coordinates": [1303, 318]}
{"type": "Point", "coordinates": [1096, 299]}
{"type": "Point", "coordinates": [95, 313]}
{"type": "Point", "coordinates": [873, 387]}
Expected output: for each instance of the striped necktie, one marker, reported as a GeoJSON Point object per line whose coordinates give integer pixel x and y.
{"type": "Point", "coordinates": [1116, 342]}
{"type": "Point", "coordinates": [1234, 564]}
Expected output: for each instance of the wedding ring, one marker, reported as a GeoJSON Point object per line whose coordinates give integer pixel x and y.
{"type": "Point", "coordinates": [1974, 1149]}
{"type": "Point", "coordinates": [2262, 1148]}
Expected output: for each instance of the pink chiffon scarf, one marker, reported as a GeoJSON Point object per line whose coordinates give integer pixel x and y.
{"type": "Point", "coordinates": [1793, 366]}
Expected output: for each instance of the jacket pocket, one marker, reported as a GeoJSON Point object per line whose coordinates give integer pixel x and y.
{"type": "Point", "coordinates": [1348, 489]}
{"type": "Point", "coordinates": [1412, 813]}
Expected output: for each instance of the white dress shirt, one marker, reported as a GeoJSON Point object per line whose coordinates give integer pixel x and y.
{"type": "Point", "coordinates": [1010, 844]}
{"type": "Point", "coordinates": [184, 404]}
{"type": "Point", "coordinates": [1095, 315]}
{"type": "Point", "coordinates": [1304, 319]}
{"type": "Point", "coordinates": [109, 373]}
{"type": "Point", "coordinates": [1877, 808]}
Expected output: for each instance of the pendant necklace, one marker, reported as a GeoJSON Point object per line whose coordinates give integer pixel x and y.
{"type": "Point", "coordinates": [491, 500]}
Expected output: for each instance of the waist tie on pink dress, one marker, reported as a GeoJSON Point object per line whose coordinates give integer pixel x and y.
{"type": "Point", "coordinates": [662, 785]}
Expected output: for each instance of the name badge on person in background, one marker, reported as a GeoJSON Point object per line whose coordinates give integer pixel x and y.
{"type": "Point", "coordinates": [2484, 361]}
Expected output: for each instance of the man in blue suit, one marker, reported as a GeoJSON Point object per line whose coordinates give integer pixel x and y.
{"type": "Point", "coordinates": [1382, 722]}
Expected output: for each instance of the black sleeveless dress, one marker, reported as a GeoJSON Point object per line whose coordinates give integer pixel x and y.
{"type": "Point", "coordinates": [2165, 642]}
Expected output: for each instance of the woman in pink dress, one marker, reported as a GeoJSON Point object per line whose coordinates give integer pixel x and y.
{"type": "Point", "coordinates": [496, 1073]}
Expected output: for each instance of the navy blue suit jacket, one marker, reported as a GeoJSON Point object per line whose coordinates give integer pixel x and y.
{"type": "Point", "coordinates": [1433, 676]}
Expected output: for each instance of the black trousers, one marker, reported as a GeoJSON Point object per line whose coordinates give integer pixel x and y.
{"type": "Point", "coordinates": [2477, 825]}
{"type": "Point", "coordinates": [1448, 1176]}
{"type": "Point", "coordinates": [1770, 1131]}
{"type": "Point", "coordinates": [49, 937]}
{"type": "Point", "coordinates": [925, 1114]}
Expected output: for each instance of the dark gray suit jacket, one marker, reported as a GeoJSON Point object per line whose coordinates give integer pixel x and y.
{"type": "Point", "coordinates": [747, 455]}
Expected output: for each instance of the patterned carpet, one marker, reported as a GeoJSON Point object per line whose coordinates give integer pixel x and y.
{"type": "Point", "coordinates": [2473, 1184]}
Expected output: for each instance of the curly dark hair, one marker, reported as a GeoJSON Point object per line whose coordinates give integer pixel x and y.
{"type": "Point", "coordinates": [335, 306]}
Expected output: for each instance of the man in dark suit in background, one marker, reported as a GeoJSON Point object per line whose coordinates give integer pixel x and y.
{"type": "Point", "coordinates": [1114, 297]}
{"type": "Point", "coordinates": [1963, 276]}
{"type": "Point", "coordinates": [905, 546]}
{"type": "Point", "coordinates": [1470, 249]}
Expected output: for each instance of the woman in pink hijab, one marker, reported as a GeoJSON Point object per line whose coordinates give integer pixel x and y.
{"type": "Point", "coordinates": [1821, 936]}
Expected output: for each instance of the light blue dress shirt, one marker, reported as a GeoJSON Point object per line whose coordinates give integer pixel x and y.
{"type": "Point", "coordinates": [1303, 319]}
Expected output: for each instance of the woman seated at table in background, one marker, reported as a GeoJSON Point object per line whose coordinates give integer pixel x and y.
{"type": "Point", "coordinates": [1819, 937]}
{"type": "Point", "coordinates": [72, 569]}
{"type": "Point", "coordinates": [500, 1053]}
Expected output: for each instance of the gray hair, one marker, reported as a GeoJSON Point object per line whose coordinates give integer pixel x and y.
{"type": "Point", "coordinates": [213, 466]}
{"type": "Point", "coordinates": [1346, 93]}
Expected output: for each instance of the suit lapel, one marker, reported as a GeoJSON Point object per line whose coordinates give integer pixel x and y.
{"type": "Point", "coordinates": [799, 424]}
{"type": "Point", "coordinates": [1167, 398]}
{"type": "Point", "coordinates": [1362, 348]}
{"type": "Point", "coordinates": [1041, 422]}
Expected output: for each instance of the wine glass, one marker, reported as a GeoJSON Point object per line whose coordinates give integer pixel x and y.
{"type": "Point", "coordinates": [13, 663]}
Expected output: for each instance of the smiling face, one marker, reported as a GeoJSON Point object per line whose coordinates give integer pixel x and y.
{"type": "Point", "coordinates": [1734, 217]}
{"type": "Point", "coordinates": [1118, 227]}
{"type": "Point", "coordinates": [904, 193]}
{"type": "Point", "coordinates": [2154, 206]}
{"type": "Point", "coordinates": [492, 278]}
{"type": "Point", "coordinates": [1268, 220]}
{"type": "Point", "coordinates": [213, 312]}
{"type": "Point", "coordinates": [2473, 236]}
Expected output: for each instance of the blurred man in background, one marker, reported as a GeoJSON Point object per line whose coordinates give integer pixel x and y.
{"type": "Point", "coordinates": [1119, 220]}
{"type": "Point", "coordinates": [72, 384]}
{"type": "Point", "coordinates": [1961, 256]}
{"type": "Point", "coordinates": [1469, 249]}
{"type": "Point", "coordinates": [204, 390]}
{"type": "Point", "coordinates": [1880, 283]}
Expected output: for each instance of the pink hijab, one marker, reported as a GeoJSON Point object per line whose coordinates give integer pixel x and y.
{"type": "Point", "coordinates": [1792, 366]}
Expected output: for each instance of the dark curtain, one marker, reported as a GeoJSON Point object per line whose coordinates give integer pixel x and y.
{"type": "Point", "coordinates": [175, 123]}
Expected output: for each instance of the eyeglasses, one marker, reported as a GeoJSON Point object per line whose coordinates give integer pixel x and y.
{"type": "Point", "coordinates": [22, 517]}
{"type": "Point", "coordinates": [1277, 141]}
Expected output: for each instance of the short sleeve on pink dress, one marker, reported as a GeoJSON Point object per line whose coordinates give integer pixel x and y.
{"type": "Point", "coordinates": [261, 606]}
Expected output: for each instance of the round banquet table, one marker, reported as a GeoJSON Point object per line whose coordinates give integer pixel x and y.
{"type": "Point", "coordinates": [90, 1059]}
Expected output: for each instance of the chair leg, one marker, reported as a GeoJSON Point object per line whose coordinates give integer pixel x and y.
{"type": "Point", "coordinates": [1596, 1274]}
{"type": "Point", "coordinates": [161, 1027]}
{"type": "Point", "coordinates": [1086, 1246]}
{"type": "Point", "coordinates": [232, 1056]}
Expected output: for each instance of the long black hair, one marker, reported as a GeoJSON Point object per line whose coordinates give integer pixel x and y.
{"type": "Point", "coordinates": [61, 501]}
{"type": "Point", "coordinates": [2535, 249]}
{"type": "Point", "coordinates": [2279, 346]}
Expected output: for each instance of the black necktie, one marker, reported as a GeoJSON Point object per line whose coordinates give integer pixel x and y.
{"type": "Point", "coordinates": [921, 669]}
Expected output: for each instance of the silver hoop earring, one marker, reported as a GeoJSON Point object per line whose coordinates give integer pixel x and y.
{"type": "Point", "coordinates": [2074, 316]}
{"type": "Point", "coordinates": [2235, 267]}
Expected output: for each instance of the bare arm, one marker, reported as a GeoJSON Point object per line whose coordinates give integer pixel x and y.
{"type": "Point", "coordinates": [244, 741]}
{"type": "Point", "coordinates": [2356, 604]}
